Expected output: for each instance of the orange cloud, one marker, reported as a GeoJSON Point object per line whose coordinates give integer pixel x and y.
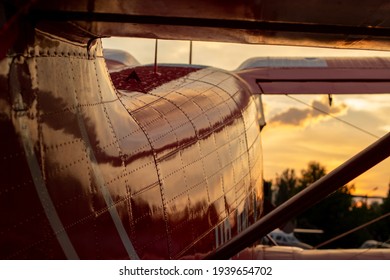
{"type": "Point", "coordinates": [317, 111]}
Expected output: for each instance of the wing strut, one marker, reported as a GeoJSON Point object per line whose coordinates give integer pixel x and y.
{"type": "Point", "coordinates": [352, 230]}
{"type": "Point", "coordinates": [340, 176]}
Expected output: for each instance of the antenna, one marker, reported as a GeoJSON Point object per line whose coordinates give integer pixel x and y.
{"type": "Point", "coordinates": [155, 56]}
{"type": "Point", "coordinates": [190, 52]}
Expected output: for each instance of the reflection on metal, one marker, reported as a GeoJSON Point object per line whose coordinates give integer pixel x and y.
{"type": "Point", "coordinates": [320, 24]}
{"type": "Point", "coordinates": [355, 166]}
{"type": "Point", "coordinates": [308, 230]}
{"type": "Point", "coordinates": [101, 184]}
{"type": "Point", "coordinates": [20, 107]}
{"type": "Point", "coordinates": [287, 62]}
{"type": "Point", "coordinates": [317, 76]}
{"type": "Point", "coordinates": [44, 196]}
{"type": "Point", "coordinates": [152, 171]}
{"type": "Point", "coordinates": [170, 169]}
{"type": "Point", "coordinates": [336, 24]}
{"type": "Point", "coordinates": [295, 253]}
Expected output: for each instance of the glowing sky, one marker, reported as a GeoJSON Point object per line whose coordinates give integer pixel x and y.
{"type": "Point", "coordinates": [295, 133]}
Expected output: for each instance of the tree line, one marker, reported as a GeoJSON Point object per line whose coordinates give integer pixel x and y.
{"type": "Point", "coordinates": [336, 214]}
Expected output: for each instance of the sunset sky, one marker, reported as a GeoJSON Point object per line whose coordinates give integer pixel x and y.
{"type": "Point", "coordinates": [295, 133]}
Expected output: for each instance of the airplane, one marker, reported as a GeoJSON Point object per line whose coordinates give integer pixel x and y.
{"type": "Point", "coordinates": [161, 161]}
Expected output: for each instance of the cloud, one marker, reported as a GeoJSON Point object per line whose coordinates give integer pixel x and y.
{"type": "Point", "coordinates": [292, 116]}
{"type": "Point", "coordinates": [318, 111]}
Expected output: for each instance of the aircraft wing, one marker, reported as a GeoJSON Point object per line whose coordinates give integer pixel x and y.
{"type": "Point", "coordinates": [340, 24]}
{"type": "Point", "coordinates": [317, 75]}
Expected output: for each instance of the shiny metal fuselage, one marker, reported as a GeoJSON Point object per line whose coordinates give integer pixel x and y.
{"type": "Point", "coordinates": [91, 172]}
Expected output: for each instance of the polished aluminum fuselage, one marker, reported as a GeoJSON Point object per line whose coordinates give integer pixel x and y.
{"type": "Point", "coordinates": [90, 172]}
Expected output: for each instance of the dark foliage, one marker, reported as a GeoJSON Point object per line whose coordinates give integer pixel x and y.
{"type": "Point", "coordinates": [336, 214]}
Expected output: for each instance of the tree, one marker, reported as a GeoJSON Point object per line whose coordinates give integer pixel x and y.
{"type": "Point", "coordinates": [330, 215]}
{"type": "Point", "coordinates": [382, 228]}
{"type": "Point", "coordinates": [386, 203]}
{"type": "Point", "coordinates": [286, 184]}
{"type": "Point", "coordinates": [335, 214]}
{"type": "Point", "coordinates": [313, 173]}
